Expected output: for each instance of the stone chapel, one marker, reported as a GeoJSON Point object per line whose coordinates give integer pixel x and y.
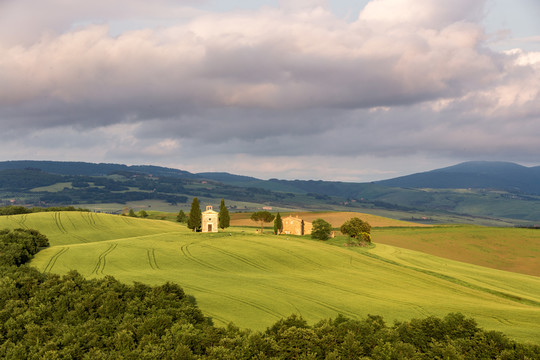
{"type": "Point", "coordinates": [210, 219]}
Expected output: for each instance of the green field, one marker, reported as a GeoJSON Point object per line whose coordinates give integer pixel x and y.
{"type": "Point", "coordinates": [510, 249]}
{"type": "Point", "coordinates": [254, 280]}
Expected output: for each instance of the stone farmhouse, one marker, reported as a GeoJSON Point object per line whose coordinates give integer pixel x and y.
{"type": "Point", "coordinates": [210, 220]}
{"type": "Point", "coordinates": [296, 226]}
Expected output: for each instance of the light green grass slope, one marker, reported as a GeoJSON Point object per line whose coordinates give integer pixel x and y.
{"type": "Point", "coordinates": [510, 249]}
{"type": "Point", "coordinates": [253, 280]}
{"type": "Point", "coordinates": [69, 227]}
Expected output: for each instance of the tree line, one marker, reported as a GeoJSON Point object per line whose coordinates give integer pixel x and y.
{"type": "Point", "coordinates": [18, 210]}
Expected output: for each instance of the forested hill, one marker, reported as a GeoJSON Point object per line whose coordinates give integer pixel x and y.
{"type": "Point", "coordinates": [476, 175]}
{"type": "Point", "coordinates": [92, 169]}
{"type": "Point", "coordinates": [496, 190]}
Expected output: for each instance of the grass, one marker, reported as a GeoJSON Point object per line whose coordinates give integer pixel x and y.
{"type": "Point", "coordinates": [510, 249]}
{"type": "Point", "coordinates": [53, 188]}
{"type": "Point", "coordinates": [254, 280]}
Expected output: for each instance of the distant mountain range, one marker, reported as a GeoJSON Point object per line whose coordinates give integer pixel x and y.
{"type": "Point", "coordinates": [499, 190]}
{"type": "Point", "coordinates": [505, 176]}
{"type": "Point", "coordinates": [495, 175]}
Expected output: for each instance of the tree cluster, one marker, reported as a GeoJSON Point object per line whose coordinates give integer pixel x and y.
{"type": "Point", "coordinates": [20, 245]}
{"type": "Point", "coordinates": [321, 229]}
{"type": "Point", "coordinates": [357, 229]}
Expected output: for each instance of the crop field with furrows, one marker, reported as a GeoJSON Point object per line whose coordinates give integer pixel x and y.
{"type": "Point", "coordinates": [253, 280]}
{"type": "Point", "coordinates": [69, 227]}
{"type": "Point", "coordinates": [335, 218]}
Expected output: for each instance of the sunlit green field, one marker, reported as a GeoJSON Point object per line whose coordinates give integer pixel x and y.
{"type": "Point", "coordinates": [254, 280]}
{"type": "Point", "coordinates": [511, 249]}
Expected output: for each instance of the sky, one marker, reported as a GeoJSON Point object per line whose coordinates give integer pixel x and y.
{"type": "Point", "coordinates": [300, 89]}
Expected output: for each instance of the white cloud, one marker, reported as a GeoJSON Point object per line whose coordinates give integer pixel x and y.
{"type": "Point", "coordinates": [407, 78]}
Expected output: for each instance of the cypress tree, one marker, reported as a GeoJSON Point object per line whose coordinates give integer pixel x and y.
{"type": "Point", "coordinates": [181, 217]}
{"type": "Point", "coordinates": [195, 216]}
{"type": "Point", "coordinates": [278, 224]}
{"type": "Point", "coordinates": [224, 217]}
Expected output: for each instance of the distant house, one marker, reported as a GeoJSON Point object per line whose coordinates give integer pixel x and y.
{"type": "Point", "coordinates": [210, 220]}
{"type": "Point", "coordinates": [296, 226]}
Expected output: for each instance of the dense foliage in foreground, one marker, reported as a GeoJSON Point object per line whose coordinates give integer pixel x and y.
{"type": "Point", "coordinates": [49, 316]}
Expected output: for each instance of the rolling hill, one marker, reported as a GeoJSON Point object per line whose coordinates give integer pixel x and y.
{"type": "Point", "coordinates": [484, 193]}
{"type": "Point", "coordinates": [474, 174]}
{"type": "Point", "coordinates": [253, 280]}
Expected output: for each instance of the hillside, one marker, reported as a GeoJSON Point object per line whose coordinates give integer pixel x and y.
{"type": "Point", "coordinates": [254, 280]}
{"type": "Point", "coordinates": [486, 193]}
{"type": "Point", "coordinates": [474, 174]}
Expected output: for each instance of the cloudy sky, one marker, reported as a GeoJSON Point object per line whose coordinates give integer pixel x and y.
{"type": "Point", "coordinates": [299, 89]}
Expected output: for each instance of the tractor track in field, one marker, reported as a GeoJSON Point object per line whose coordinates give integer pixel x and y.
{"type": "Point", "coordinates": [126, 220]}
{"type": "Point", "coordinates": [254, 304]}
{"type": "Point", "coordinates": [100, 264]}
{"type": "Point", "coordinates": [96, 221]}
{"type": "Point", "coordinates": [503, 321]}
{"type": "Point", "coordinates": [52, 260]}
{"type": "Point", "coordinates": [277, 259]}
{"type": "Point", "coordinates": [58, 221]}
{"type": "Point", "coordinates": [22, 221]}
{"type": "Point", "coordinates": [89, 218]}
{"type": "Point", "coordinates": [318, 302]}
{"type": "Point", "coordinates": [187, 254]}
{"type": "Point", "coordinates": [82, 239]}
{"type": "Point", "coordinates": [86, 219]}
{"type": "Point", "coordinates": [294, 254]}
{"type": "Point", "coordinates": [151, 254]}
{"type": "Point", "coordinates": [217, 317]}
{"type": "Point", "coordinates": [239, 258]}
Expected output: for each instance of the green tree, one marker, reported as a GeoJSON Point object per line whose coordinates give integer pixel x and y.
{"type": "Point", "coordinates": [321, 229]}
{"type": "Point", "coordinates": [262, 217]}
{"type": "Point", "coordinates": [278, 224]}
{"type": "Point", "coordinates": [132, 213]}
{"type": "Point", "coordinates": [194, 221]}
{"type": "Point", "coordinates": [358, 229]}
{"type": "Point", "coordinates": [181, 217]}
{"type": "Point", "coordinates": [143, 214]}
{"type": "Point", "coordinates": [224, 217]}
